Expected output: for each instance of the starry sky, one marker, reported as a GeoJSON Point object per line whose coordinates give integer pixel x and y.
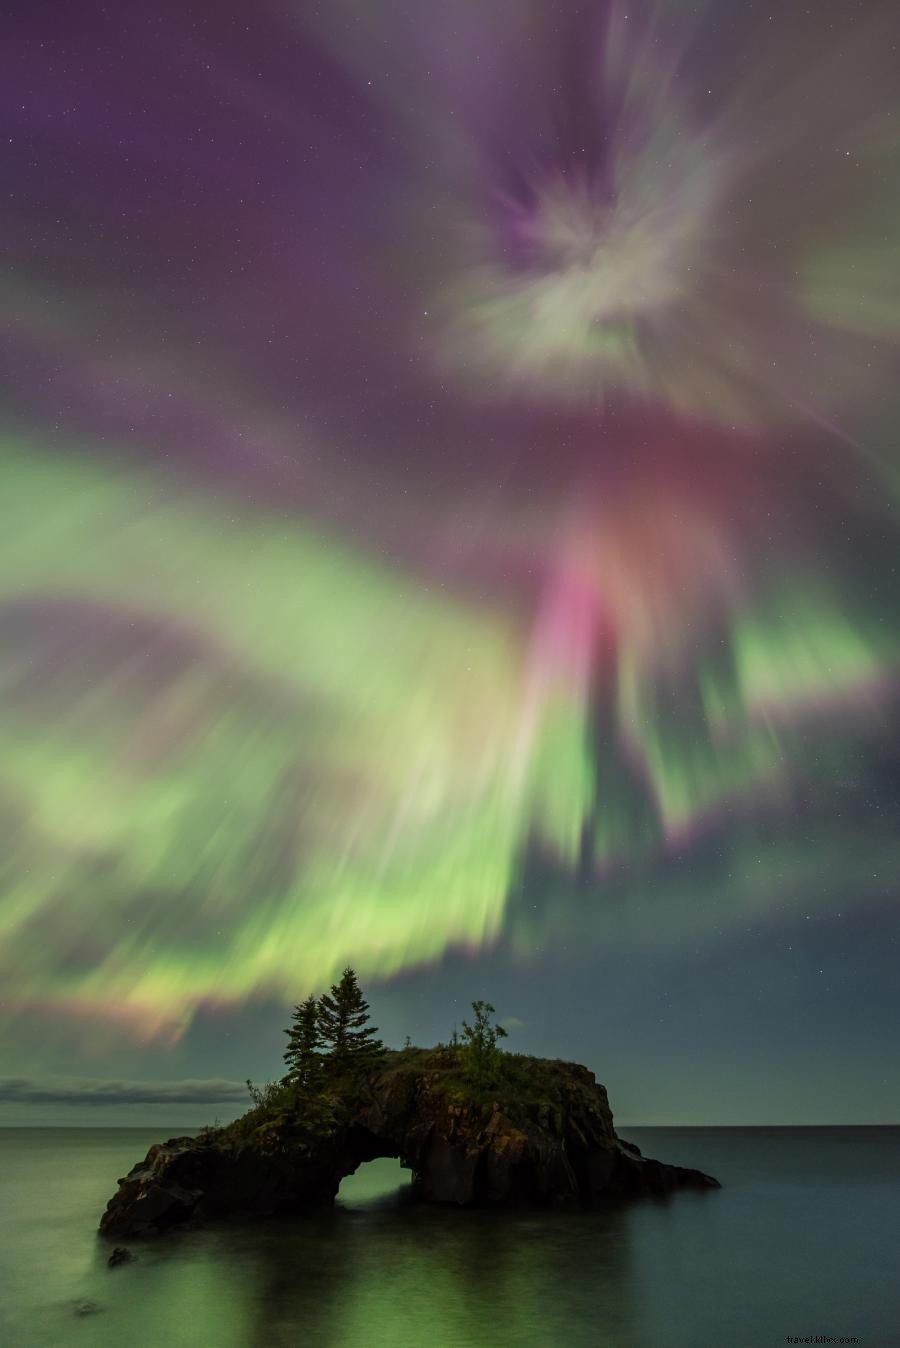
{"type": "Point", "coordinates": [450, 485]}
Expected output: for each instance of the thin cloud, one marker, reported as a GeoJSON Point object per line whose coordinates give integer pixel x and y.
{"type": "Point", "coordinates": [87, 1091]}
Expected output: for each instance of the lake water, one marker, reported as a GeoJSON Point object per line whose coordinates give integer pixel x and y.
{"type": "Point", "coordinates": [803, 1239]}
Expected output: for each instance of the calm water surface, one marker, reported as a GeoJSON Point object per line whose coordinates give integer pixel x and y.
{"type": "Point", "coordinates": [803, 1239]}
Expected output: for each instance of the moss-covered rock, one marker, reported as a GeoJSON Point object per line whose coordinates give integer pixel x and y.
{"type": "Point", "coordinates": [541, 1132]}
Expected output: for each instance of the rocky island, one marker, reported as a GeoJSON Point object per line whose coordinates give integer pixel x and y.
{"type": "Point", "coordinates": [474, 1125]}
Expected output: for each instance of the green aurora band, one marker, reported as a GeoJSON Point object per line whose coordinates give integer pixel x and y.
{"type": "Point", "coordinates": [251, 751]}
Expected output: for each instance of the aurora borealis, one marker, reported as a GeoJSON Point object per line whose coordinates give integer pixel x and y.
{"type": "Point", "coordinates": [449, 522]}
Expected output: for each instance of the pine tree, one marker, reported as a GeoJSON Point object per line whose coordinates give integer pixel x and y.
{"type": "Point", "coordinates": [302, 1054]}
{"type": "Point", "coordinates": [342, 1020]}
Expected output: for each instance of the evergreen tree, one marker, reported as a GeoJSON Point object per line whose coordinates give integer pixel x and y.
{"type": "Point", "coordinates": [302, 1054]}
{"type": "Point", "coordinates": [342, 1020]}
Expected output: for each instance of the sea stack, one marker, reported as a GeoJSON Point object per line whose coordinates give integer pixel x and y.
{"type": "Point", "coordinates": [545, 1140]}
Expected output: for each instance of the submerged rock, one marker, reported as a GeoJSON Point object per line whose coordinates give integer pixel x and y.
{"type": "Point", "coordinates": [120, 1256]}
{"type": "Point", "coordinates": [547, 1140]}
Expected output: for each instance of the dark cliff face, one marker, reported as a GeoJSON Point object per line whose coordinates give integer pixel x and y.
{"type": "Point", "coordinates": [551, 1143]}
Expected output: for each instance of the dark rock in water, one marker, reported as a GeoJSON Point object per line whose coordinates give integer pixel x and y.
{"type": "Point", "coordinates": [120, 1256]}
{"type": "Point", "coordinates": [548, 1139]}
{"type": "Point", "coordinates": [82, 1308]}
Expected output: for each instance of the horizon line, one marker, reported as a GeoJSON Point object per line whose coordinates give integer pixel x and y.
{"type": "Point", "coordinates": [193, 1127]}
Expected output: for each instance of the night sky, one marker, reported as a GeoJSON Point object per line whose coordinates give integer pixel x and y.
{"type": "Point", "coordinates": [450, 484]}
